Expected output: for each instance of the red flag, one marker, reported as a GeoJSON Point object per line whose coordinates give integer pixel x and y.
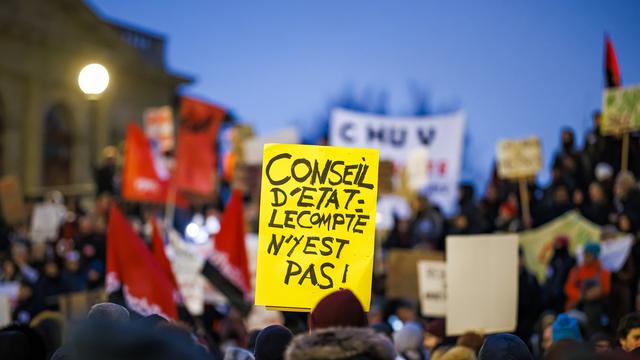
{"type": "Point", "coordinates": [230, 253]}
{"type": "Point", "coordinates": [132, 267]}
{"type": "Point", "coordinates": [611, 69]}
{"type": "Point", "coordinates": [195, 153]}
{"type": "Point", "coordinates": [157, 248]}
{"type": "Point", "coordinates": [143, 178]}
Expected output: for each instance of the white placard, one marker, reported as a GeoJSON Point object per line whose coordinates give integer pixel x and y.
{"type": "Point", "coordinates": [46, 221]}
{"type": "Point", "coordinates": [432, 283]}
{"type": "Point", "coordinates": [395, 137]}
{"type": "Point", "coordinates": [482, 283]}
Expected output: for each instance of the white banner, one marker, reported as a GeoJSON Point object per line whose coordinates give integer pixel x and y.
{"type": "Point", "coordinates": [396, 137]}
{"type": "Point", "coordinates": [432, 282]}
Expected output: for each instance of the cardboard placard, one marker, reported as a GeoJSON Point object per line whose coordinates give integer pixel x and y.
{"type": "Point", "coordinates": [432, 283]}
{"type": "Point", "coordinates": [519, 158]}
{"type": "Point", "coordinates": [402, 274]}
{"type": "Point", "coordinates": [482, 283]}
{"type": "Point", "coordinates": [317, 224]}
{"type": "Point", "coordinates": [11, 200]}
{"type": "Point", "coordinates": [620, 110]}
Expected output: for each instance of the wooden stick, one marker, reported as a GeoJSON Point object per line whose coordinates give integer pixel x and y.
{"type": "Point", "coordinates": [524, 203]}
{"type": "Point", "coordinates": [624, 166]}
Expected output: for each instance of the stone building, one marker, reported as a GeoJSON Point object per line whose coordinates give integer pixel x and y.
{"type": "Point", "coordinates": [51, 135]}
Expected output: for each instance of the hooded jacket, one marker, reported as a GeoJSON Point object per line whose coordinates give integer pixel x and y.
{"type": "Point", "coordinates": [341, 344]}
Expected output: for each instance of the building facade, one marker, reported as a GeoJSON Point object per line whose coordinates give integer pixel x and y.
{"type": "Point", "coordinates": [51, 134]}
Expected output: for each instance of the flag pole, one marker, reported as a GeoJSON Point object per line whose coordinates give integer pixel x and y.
{"type": "Point", "coordinates": [524, 200]}
{"type": "Point", "coordinates": [624, 166]}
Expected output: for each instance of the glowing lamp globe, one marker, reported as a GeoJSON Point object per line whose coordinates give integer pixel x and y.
{"type": "Point", "coordinates": [93, 79]}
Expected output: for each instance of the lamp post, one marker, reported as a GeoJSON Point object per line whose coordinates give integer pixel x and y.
{"type": "Point", "coordinates": [93, 80]}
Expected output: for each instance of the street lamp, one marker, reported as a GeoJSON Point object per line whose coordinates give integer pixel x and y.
{"type": "Point", "coordinates": [93, 80]}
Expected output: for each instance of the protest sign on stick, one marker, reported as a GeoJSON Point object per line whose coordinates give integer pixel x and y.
{"type": "Point", "coordinates": [317, 224]}
{"type": "Point", "coordinates": [520, 159]}
{"type": "Point", "coordinates": [482, 283]}
{"type": "Point", "coordinates": [621, 115]}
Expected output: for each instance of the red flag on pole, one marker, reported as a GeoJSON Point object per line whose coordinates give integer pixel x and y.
{"type": "Point", "coordinates": [611, 69]}
{"type": "Point", "coordinates": [144, 178]}
{"type": "Point", "coordinates": [195, 153]}
{"type": "Point", "coordinates": [132, 268]}
{"type": "Point", "coordinates": [230, 255]}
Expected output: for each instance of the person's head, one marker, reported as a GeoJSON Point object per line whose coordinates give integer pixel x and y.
{"type": "Point", "coordinates": [491, 193]}
{"type": "Point", "coordinates": [466, 193]}
{"type": "Point", "coordinates": [236, 353]}
{"type": "Point", "coordinates": [21, 342]}
{"type": "Point", "coordinates": [272, 343]}
{"type": "Point", "coordinates": [560, 195]}
{"type": "Point", "coordinates": [601, 342]}
{"type": "Point", "coordinates": [624, 223]}
{"type": "Point", "coordinates": [578, 197]}
{"type": "Point", "coordinates": [603, 172]}
{"type": "Point", "coordinates": [629, 332]}
{"type": "Point", "coordinates": [85, 225]}
{"type": "Point", "coordinates": [504, 346]}
{"type": "Point", "coordinates": [345, 343]}
{"type": "Point", "coordinates": [624, 184]}
{"type": "Point", "coordinates": [591, 253]}
{"type": "Point", "coordinates": [565, 328]}
{"type": "Point", "coordinates": [338, 309]}
{"type": "Point", "coordinates": [459, 353]}
{"type": "Point", "coordinates": [597, 118]}
{"type": "Point", "coordinates": [108, 312]}
{"type": "Point", "coordinates": [50, 326]}
{"type": "Point", "coordinates": [51, 269]}
{"type": "Point", "coordinates": [471, 340]}
{"type": "Point", "coordinates": [567, 138]}
{"type": "Point", "coordinates": [409, 339]}
{"type": "Point", "coordinates": [109, 155]}
{"type": "Point", "coordinates": [434, 333]}
{"type": "Point", "coordinates": [561, 242]}
{"type": "Point", "coordinates": [8, 269]}
{"type": "Point", "coordinates": [596, 193]}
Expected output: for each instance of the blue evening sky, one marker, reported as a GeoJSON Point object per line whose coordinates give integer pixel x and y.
{"type": "Point", "coordinates": [517, 68]}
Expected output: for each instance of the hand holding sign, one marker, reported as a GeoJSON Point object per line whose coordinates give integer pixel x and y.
{"type": "Point", "coordinates": [317, 224]}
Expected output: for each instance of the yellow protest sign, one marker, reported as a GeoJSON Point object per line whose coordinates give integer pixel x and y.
{"type": "Point", "coordinates": [317, 224]}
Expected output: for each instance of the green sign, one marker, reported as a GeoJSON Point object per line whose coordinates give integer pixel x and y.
{"type": "Point", "coordinates": [620, 110]}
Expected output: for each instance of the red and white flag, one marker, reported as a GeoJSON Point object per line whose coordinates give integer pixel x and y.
{"type": "Point", "coordinates": [144, 177]}
{"type": "Point", "coordinates": [133, 268]}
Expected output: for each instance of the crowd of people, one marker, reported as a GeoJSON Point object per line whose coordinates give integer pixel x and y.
{"type": "Point", "coordinates": [580, 309]}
